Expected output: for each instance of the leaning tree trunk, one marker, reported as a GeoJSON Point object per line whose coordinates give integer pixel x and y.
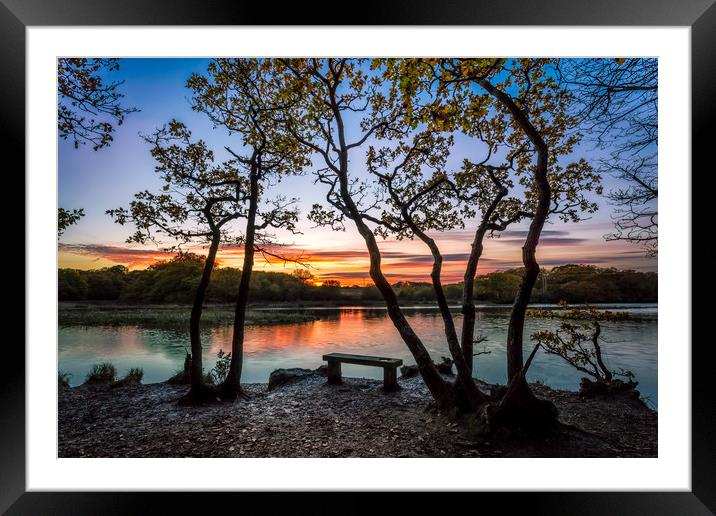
{"type": "Point", "coordinates": [463, 363]}
{"type": "Point", "coordinates": [438, 387]}
{"type": "Point", "coordinates": [199, 391]}
{"type": "Point", "coordinates": [435, 383]}
{"type": "Point", "coordinates": [232, 385]}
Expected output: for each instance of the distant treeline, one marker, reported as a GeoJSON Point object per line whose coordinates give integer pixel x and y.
{"type": "Point", "coordinates": [174, 281]}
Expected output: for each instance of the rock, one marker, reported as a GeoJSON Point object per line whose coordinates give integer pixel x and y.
{"type": "Point", "coordinates": [321, 370]}
{"type": "Point", "coordinates": [281, 377]}
{"type": "Point", "coordinates": [408, 371]}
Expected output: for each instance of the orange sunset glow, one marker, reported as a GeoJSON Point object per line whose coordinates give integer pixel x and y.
{"type": "Point", "coordinates": [343, 258]}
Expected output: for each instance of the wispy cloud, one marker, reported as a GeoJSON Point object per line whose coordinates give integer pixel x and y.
{"type": "Point", "coordinates": [132, 257]}
{"type": "Point", "coordinates": [350, 266]}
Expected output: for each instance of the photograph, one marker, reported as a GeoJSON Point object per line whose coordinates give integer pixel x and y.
{"type": "Point", "coordinates": [339, 257]}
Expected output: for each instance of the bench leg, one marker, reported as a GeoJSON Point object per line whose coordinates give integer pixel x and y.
{"type": "Point", "coordinates": [334, 372]}
{"type": "Point", "coordinates": [390, 379]}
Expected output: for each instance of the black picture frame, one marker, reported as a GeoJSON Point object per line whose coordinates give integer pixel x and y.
{"type": "Point", "coordinates": [699, 15]}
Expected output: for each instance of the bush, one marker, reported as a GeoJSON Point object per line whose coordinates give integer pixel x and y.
{"type": "Point", "coordinates": [134, 375]}
{"type": "Point", "coordinates": [221, 368]}
{"type": "Point", "coordinates": [101, 373]}
{"type": "Point", "coordinates": [63, 379]}
{"type": "Point", "coordinates": [220, 371]}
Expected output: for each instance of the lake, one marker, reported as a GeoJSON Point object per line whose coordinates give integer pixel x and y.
{"type": "Point", "coordinates": [629, 344]}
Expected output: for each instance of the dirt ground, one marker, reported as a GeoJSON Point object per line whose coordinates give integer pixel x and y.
{"type": "Point", "coordinates": [310, 418]}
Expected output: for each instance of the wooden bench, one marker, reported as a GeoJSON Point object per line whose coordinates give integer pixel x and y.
{"type": "Point", "coordinates": [389, 365]}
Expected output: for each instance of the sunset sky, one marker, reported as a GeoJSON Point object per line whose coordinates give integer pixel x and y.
{"type": "Point", "coordinates": [108, 178]}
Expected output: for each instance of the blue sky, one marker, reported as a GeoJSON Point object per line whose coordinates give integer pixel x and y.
{"type": "Point", "coordinates": [108, 178]}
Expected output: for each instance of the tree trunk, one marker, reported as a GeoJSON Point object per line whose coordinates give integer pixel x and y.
{"type": "Point", "coordinates": [519, 407]}
{"type": "Point", "coordinates": [468, 301]}
{"type": "Point", "coordinates": [598, 352]}
{"type": "Point", "coordinates": [517, 316]}
{"type": "Point", "coordinates": [199, 391]}
{"type": "Point", "coordinates": [463, 363]}
{"type": "Point", "coordinates": [232, 385]}
{"type": "Point", "coordinates": [435, 383]}
{"type": "Point", "coordinates": [468, 288]}
{"type": "Point", "coordinates": [439, 388]}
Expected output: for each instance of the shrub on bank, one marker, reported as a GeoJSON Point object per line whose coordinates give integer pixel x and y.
{"type": "Point", "coordinates": [63, 380]}
{"type": "Point", "coordinates": [101, 373]}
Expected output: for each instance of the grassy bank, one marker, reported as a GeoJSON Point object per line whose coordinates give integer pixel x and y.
{"type": "Point", "coordinates": [86, 314]}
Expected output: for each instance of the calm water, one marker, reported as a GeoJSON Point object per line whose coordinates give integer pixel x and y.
{"type": "Point", "coordinates": [628, 344]}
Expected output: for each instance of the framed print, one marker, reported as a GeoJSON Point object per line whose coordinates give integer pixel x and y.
{"type": "Point", "coordinates": [258, 255]}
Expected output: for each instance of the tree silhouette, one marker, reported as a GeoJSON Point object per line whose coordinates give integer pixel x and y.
{"type": "Point", "coordinates": [323, 93]}
{"type": "Point", "coordinates": [616, 102]}
{"type": "Point", "coordinates": [66, 218]}
{"type": "Point", "coordinates": [86, 107]}
{"type": "Point", "coordinates": [459, 95]}
{"type": "Point", "coordinates": [242, 95]}
{"type": "Point", "coordinates": [197, 202]}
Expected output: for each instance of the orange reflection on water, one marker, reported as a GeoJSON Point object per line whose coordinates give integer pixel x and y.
{"type": "Point", "coordinates": [131, 340]}
{"type": "Point", "coordinates": [347, 329]}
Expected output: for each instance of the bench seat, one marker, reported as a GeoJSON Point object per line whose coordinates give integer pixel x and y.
{"type": "Point", "coordinates": [389, 365]}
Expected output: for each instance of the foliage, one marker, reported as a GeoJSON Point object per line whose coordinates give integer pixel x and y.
{"type": "Point", "coordinates": [104, 372]}
{"type": "Point", "coordinates": [198, 199]}
{"type": "Point", "coordinates": [304, 275]}
{"type": "Point", "coordinates": [584, 312]}
{"type": "Point", "coordinates": [499, 286]}
{"type": "Point", "coordinates": [459, 95]}
{"type": "Point", "coordinates": [576, 340]}
{"type": "Point", "coordinates": [134, 376]}
{"type": "Point", "coordinates": [72, 284]}
{"type": "Point", "coordinates": [99, 284]}
{"type": "Point", "coordinates": [221, 368]}
{"type": "Point", "coordinates": [574, 284]}
{"type": "Point", "coordinates": [173, 281]}
{"type": "Point", "coordinates": [67, 218]}
{"type": "Point", "coordinates": [88, 105]}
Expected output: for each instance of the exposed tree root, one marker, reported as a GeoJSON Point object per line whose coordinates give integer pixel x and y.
{"type": "Point", "coordinates": [519, 409]}
{"type": "Point", "coordinates": [230, 393]}
{"type": "Point", "coordinates": [200, 395]}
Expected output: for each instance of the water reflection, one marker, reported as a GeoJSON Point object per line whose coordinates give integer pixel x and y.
{"type": "Point", "coordinates": [629, 344]}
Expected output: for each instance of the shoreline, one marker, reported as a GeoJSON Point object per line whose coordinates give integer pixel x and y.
{"type": "Point", "coordinates": [119, 314]}
{"type": "Point", "coordinates": [311, 418]}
